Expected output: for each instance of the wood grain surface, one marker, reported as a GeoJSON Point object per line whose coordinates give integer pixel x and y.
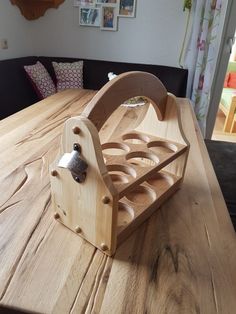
{"type": "Point", "coordinates": [181, 260]}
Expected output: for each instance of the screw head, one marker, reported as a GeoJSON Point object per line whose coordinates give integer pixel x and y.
{"type": "Point", "coordinates": [106, 200]}
{"type": "Point", "coordinates": [77, 147]}
{"type": "Point", "coordinates": [56, 216]}
{"type": "Point", "coordinates": [77, 179]}
{"type": "Point", "coordinates": [54, 173]}
{"type": "Point", "coordinates": [104, 247]}
{"type": "Point", "coordinates": [76, 130]}
{"type": "Point", "coordinates": [78, 229]}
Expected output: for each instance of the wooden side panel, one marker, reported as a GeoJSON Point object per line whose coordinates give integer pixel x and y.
{"type": "Point", "coordinates": [170, 129]}
{"type": "Point", "coordinates": [80, 205]}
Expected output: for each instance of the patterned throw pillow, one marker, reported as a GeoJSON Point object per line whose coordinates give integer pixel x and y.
{"type": "Point", "coordinates": [40, 79]}
{"type": "Point", "coordinates": [68, 75]}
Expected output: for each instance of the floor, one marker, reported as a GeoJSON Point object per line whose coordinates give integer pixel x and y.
{"type": "Point", "coordinates": [218, 133]}
{"type": "Point", "coordinates": [222, 155]}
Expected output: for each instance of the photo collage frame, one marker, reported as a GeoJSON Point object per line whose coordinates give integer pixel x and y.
{"type": "Point", "coordinates": [104, 13]}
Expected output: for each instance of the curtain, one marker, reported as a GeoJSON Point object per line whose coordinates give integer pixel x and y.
{"type": "Point", "coordinates": [201, 55]}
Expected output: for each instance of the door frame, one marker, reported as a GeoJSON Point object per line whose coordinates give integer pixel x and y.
{"type": "Point", "coordinates": [221, 66]}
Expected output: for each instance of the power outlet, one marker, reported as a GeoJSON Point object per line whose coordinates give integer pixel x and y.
{"type": "Point", "coordinates": [3, 43]}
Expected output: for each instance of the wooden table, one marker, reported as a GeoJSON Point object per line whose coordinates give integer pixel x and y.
{"type": "Point", "coordinates": [182, 260]}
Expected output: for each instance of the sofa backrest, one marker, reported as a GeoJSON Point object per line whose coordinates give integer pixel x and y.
{"type": "Point", "coordinates": [16, 91]}
{"type": "Point", "coordinates": [95, 73]}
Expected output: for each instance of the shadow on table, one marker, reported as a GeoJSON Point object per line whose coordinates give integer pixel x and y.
{"type": "Point", "coordinates": [152, 240]}
{"type": "Point", "coordinates": [7, 310]}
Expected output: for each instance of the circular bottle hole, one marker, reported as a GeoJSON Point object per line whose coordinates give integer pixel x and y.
{"type": "Point", "coordinates": [114, 148]}
{"type": "Point", "coordinates": [134, 138]}
{"type": "Point", "coordinates": [160, 147]}
{"type": "Point", "coordinates": [160, 179]}
{"type": "Point", "coordinates": [121, 170]}
{"type": "Point", "coordinates": [141, 195]}
{"type": "Point", "coordinates": [142, 159]}
{"type": "Point", "coordinates": [119, 177]}
{"type": "Point", "coordinates": [125, 215]}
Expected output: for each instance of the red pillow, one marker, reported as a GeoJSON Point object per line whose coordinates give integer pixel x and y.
{"type": "Point", "coordinates": [232, 80]}
{"type": "Point", "coordinates": [226, 81]}
{"type": "Point", "coordinates": [40, 79]}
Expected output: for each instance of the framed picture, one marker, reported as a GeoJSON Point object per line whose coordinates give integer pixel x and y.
{"type": "Point", "coordinates": [90, 16]}
{"type": "Point", "coordinates": [84, 2]}
{"type": "Point", "coordinates": [109, 13]}
{"type": "Point", "coordinates": [107, 1]}
{"type": "Point", "coordinates": [127, 8]}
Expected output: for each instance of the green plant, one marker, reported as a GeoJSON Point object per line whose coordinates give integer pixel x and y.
{"type": "Point", "coordinates": [187, 4]}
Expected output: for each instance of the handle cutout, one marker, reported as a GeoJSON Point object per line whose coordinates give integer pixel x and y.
{"type": "Point", "coordinates": [123, 87]}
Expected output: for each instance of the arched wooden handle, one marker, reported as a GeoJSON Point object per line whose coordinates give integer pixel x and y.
{"type": "Point", "coordinates": [121, 88]}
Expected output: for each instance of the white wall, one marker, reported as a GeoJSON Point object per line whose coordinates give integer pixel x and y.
{"type": "Point", "coordinates": [154, 36]}
{"type": "Point", "coordinates": [16, 29]}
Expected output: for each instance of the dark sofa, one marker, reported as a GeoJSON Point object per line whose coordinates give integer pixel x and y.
{"type": "Point", "coordinates": [16, 92]}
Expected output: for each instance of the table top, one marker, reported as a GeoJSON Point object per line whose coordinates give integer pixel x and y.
{"type": "Point", "coordinates": [181, 260]}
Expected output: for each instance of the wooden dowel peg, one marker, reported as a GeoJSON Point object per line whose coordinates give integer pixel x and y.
{"type": "Point", "coordinates": [56, 216]}
{"type": "Point", "coordinates": [54, 173]}
{"type": "Point", "coordinates": [106, 200]}
{"type": "Point", "coordinates": [104, 247]}
{"type": "Point", "coordinates": [78, 229]}
{"type": "Point", "coordinates": [76, 130]}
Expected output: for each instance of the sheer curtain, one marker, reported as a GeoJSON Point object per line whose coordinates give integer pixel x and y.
{"type": "Point", "coordinates": [201, 54]}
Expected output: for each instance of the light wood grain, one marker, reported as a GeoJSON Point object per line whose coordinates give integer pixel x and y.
{"type": "Point", "coordinates": [182, 260]}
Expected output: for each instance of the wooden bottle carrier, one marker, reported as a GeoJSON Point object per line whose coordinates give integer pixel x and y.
{"type": "Point", "coordinates": [104, 191]}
